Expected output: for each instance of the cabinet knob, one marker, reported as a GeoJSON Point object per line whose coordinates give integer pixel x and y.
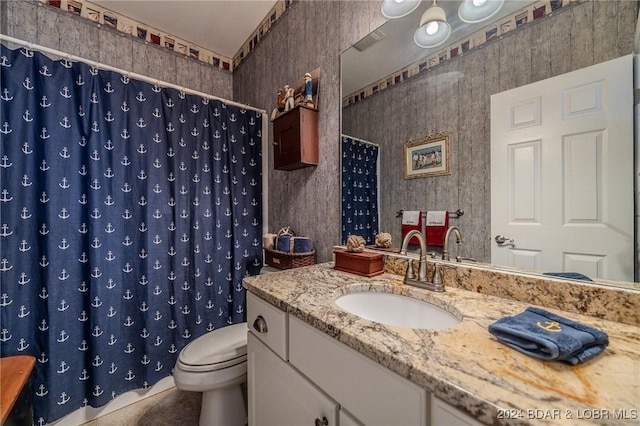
{"type": "Point", "coordinates": [260, 325]}
{"type": "Point", "coordinates": [323, 422]}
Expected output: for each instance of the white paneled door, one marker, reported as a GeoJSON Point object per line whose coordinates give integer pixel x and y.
{"type": "Point", "coordinates": [562, 173]}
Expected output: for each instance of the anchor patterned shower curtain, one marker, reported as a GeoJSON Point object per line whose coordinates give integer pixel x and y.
{"type": "Point", "coordinates": [359, 189]}
{"type": "Point", "coordinates": [129, 216]}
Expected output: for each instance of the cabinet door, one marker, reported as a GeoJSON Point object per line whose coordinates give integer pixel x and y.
{"type": "Point", "coordinates": [295, 139]}
{"type": "Point", "coordinates": [373, 394]}
{"type": "Point", "coordinates": [280, 396]}
{"type": "Point", "coordinates": [347, 419]}
{"type": "Point", "coordinates": [443, 414]}
{"type": "Point", "coordinates": [286, 132]}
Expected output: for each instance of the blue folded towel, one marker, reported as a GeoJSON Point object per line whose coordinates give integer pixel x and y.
{"type": "Point", "coordinates": [283, 242]}
{"type": "Point", "coordinates": [569, 275]}
{"type": "Point", "coordinates": [547, 336]}
{"type": "Point", "coordinates": [302, 245]}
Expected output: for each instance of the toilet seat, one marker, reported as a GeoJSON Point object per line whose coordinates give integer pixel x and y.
{"type": "Point", "coordinates": [216, 350]}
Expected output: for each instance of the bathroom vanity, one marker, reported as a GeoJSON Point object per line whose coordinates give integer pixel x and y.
{"type": "Point", "coordinates": [309, 361]}
{"type": "Point", "coordinates": [313, 378]}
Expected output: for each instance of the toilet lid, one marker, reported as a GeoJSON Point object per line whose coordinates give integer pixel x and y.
{"type": "Point", "coordinates": [218, 349]}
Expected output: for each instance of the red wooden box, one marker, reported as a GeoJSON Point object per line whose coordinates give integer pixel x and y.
{"type": "Point", "coordinates": [363, 264]}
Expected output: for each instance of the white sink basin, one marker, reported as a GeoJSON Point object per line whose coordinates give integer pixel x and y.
{"type": "Point", "coordinates": [396, 310]}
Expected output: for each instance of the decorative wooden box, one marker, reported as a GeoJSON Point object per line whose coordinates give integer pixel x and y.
{"type": "Point", "coordinates": [363, 264]}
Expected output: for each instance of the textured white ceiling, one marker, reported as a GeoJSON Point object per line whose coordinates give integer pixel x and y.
{"type": "Point", "coordinates": [221, 26]}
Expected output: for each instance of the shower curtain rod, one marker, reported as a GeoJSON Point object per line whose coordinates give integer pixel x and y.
{"type": "Point", "coordinates": [362, 140]}
{"type": "Point", "coordinates": [32, 46]}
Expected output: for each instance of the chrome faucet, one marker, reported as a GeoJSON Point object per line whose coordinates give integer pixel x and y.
{"type": "Point", "coordinates": [410, 277]}
{"type": "Point", "coordinates": [445, 250]}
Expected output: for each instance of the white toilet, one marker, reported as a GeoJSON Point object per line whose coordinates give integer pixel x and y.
{"type": "Point", "coordinates": [216, 365]}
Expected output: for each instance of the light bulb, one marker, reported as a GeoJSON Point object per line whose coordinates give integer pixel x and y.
{"type": "Point", "coordinates": [398, 1]}
{"type": "Point", "coordinates": [432, 27]}
{"type": "Point", "coordinates": [478, 3]}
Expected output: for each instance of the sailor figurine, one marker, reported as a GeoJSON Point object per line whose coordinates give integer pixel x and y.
{"type": "Point", "coordinates": [308, 89]}
{"type": "Point", "coordinates": [288, 97]}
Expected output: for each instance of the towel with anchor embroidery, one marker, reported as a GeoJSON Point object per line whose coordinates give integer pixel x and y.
{"type": "Point", "coordinates": [547, 336]}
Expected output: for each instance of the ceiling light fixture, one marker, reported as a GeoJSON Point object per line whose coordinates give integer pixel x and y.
{"type": "Point", "coordinates": [473, 11]}
{"type": "Point", "coordinates": [434, 28]}
{"type": "Point", "coordinates": [399, 8]}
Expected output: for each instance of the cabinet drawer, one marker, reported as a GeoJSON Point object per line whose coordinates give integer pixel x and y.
{"type": "Point", "coordinates": [370, 392]}
{"type": "Point", "coordinates": [268, 324]}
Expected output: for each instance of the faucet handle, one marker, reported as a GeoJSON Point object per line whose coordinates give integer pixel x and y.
{"type": "Point", "coordinates": [409, 274]}
{"type": "Point", "coordinates": [437, 277]}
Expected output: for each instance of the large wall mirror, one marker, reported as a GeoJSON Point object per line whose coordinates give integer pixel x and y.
{"type": "Point", "coordinates": [395, 91]}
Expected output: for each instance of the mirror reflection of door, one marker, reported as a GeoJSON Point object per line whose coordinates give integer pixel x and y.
{"type": "Point", "coordinates": [359, 177]}
{"type": "Point", "coordinates": [562, 166]}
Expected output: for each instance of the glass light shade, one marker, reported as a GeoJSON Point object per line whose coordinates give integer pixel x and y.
{"type": "Point", "coordinates": [399, 8]}
{"type": "Point", "coordinates": [433, 13]}
{"type": "Point", "coordinates": [425, 40]}
{"type": "Point", "coordinates": [471, 14]}
{"type": "Point", "coordinates": [430, 35]}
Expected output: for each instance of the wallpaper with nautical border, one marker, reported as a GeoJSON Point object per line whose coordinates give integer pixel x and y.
{"type": "Point", "coordinates": [493, 31]}
{"type": "Point", "coordinates": [126, 25]}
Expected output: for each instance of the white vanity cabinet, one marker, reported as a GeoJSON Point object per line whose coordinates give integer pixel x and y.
{"type": "Point", "coordinates": [299, 375]}
{"type": "Point", "coordinates": [278, 394]}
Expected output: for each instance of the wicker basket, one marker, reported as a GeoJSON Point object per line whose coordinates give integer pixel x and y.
{"type": "Point", "coordinates": [284, 260]}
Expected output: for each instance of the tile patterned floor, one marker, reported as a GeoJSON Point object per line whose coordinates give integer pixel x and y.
{"type": "Point", "coordinates": [172, 407]}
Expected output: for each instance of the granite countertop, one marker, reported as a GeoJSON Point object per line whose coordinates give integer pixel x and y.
{"type": "Point", "coordinates": [464, 365]}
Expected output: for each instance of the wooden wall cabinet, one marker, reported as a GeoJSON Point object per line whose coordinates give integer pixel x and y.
{"type": "Point", "coordinates": [295, 139]}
